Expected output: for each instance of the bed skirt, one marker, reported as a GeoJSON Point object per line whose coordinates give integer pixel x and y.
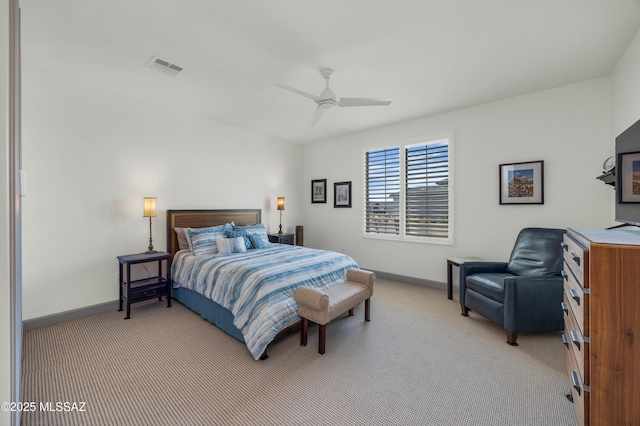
{"type": "Point", "coordinates": [208, 309]}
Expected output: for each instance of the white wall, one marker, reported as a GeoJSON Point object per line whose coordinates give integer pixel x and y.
{"type": "Point", "coordinates": [90, 157]}
{"type": "Point", "coordinates": [567, 127]}
{"type": "Point", "coordinates": [626, 88]}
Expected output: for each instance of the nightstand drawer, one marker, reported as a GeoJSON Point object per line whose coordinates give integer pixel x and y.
{"type": "Point", "coordinates": [147, 291]}
{"type": "Point", "coordinates": [281, 238]}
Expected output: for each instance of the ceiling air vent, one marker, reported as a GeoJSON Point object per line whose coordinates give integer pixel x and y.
{"type": "Point", "coordinates": [164, 66]}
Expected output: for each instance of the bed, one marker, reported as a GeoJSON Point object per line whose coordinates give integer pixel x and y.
{"type": "Point", "coordinates": [249, 295]}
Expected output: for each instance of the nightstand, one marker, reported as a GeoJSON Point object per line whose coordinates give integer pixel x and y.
{"type": "Point", "coordinates": [281, 238]}
{"type": "Point", "coordinates": [132, 291]}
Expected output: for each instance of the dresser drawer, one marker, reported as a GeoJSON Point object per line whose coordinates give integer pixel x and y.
{"type": "Point", "coordinates": [576, 299]}
{"type": "Point", "coordinates": [578, 393]}
{"type": "Point", "coordinates": [577, 343]}
{"type": "Point", "coordinates": [576, 257]}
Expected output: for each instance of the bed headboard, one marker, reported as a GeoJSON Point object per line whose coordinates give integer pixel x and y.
{"type": "Point", "coordinates": [204, 218]}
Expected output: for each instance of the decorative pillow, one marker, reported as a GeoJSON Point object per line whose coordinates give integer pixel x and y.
{"type": "Point", "coordinates": [203, 240]}
{"type": "Point", "coordinates": [230, 245]}
{"type": "Point", "coordinates": [258, 229]}
{"type": "Point", "coordinates": [240, 232]}
{"type": "Point", "coordinates": [256, 241]}
{"type": "Point", "coordinates": [183, 243]}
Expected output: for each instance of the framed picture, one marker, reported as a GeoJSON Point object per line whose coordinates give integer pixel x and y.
{"type": "Point", "coordinates": [319, 191]}
{"type": "Point", "coordinates": [342, 194]}
{"type": "Point", "coordinates": [629, 168]}
{"type": "Point", "coordinates": [522, 183]}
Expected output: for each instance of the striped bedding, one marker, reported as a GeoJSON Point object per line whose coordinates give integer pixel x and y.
{"type": "Point", "coordinates": [257, 285]}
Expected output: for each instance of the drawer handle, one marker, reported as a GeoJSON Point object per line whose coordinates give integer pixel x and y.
{"type": "Point", "coordinates": [575, 381]}
{"type": "Point", "coordinates": [565, 341]}
{"type": "Point", "coordinates": [564, 246]}
{"type": "Point", "coordinates": [575, 296]}
{"type": "Point", "coordinates": [565, 308]}
{"type": "Point", "coordinates": [575, 258]}
{"type": "Point", "coordinates": [564, 275]}
{"type": "Point", "coordinates": [574, 338]}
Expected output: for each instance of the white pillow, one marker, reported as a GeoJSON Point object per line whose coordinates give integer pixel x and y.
{"type": "Point", "coordinates": [230, 245]}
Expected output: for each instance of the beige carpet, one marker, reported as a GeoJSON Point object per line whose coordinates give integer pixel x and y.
{"type": "Point", "coordinates": [418, 362]}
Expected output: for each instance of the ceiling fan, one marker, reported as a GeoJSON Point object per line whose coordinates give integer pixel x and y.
{"type": "Point", "coordinates": [327, 99]}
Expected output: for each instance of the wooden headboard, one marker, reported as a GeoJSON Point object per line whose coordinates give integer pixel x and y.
{"type": "Point", "coordinates": [204, 218]}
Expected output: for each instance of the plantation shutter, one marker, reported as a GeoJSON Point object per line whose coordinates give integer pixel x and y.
{"type": "Point", "coordinates": [427, 190]}
{"type": "Point", "coordinates": [382, 193]}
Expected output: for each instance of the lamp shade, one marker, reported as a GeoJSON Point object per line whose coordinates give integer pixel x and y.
{"type": "Point", "coordinates": [149, 207]}
{"type": "Point", "coordinates": [280, 203]}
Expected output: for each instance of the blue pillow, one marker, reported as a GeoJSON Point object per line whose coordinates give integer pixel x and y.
{"type": "Point", "coordinates": [257, 241]}
{"type": "Point", "coordinates": [258, 229]}
{"type": "Point", "coordinates": [239, 232]}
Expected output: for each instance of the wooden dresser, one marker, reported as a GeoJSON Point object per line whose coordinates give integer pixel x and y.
{"type": "Point", "coordinates": [602, 324]}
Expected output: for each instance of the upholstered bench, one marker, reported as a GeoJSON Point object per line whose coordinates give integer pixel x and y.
{"type": "Point", "coordinates": [322, 307]}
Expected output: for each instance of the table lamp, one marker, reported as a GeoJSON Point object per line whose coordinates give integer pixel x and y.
{"type": "Point", "coordinates": [280, 207]}
{"type": "Point", "coordinates": [150, 211]}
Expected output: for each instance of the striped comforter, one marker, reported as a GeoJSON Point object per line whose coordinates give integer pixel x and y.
{"type": "Point", "coordinates": [257, 285]}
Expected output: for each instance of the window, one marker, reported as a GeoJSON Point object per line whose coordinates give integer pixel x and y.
{"type": "Point", "coordinates": [382, 183]}
{"type": "Point", "coordinates": [408, 192]}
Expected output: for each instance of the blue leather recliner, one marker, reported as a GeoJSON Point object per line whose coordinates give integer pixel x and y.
{"type": "Point", "coordinates": [523, 295]}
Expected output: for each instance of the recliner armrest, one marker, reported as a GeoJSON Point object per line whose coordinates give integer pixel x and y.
{"type": "Point", "coordinates": [474, 267]}
{"type": "Point", "coordinates": [532, 303]}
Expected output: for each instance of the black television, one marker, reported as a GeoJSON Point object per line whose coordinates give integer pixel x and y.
{"type": "Point", "coordinates": [628, 176]}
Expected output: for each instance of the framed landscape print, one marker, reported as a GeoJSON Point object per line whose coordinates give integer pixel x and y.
{"type": "Point", "coordinates": [319, 191]}
{"type": "Point", "coordinates": [629, 169]}
{"type": "Point", "coordinates": [342, 194]}
{"type": "Point", "coordinates": [522, 183]}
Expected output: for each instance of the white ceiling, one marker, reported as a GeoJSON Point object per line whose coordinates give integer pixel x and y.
{"type": "Point", "coordinates": [430, 56]}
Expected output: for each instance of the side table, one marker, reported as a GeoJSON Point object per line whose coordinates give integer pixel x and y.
{"type": "Point", "coordinates": [451, 262]}
{"type": "Point", "coordinates": [133, 291]}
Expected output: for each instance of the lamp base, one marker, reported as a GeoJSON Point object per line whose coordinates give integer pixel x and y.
{"type": "Point", "coordinates": [150, 252]}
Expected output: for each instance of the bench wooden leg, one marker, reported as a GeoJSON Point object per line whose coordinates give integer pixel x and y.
{"type": "Point", "coordinates": [304, 324]}
{"type": "Point", "coordinates": [351, 312]}
{"type": "Point", "coordinates": [321, 338]}
{"type": "Point", "coordinates": [367, 310]}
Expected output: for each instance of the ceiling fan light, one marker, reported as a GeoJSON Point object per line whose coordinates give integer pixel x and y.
{"type": "Point", "coordinates": [326, 106]}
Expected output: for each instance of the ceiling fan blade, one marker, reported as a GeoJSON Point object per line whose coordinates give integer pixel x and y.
{"type": "Point", "coordinates": [351, 102]}
{"type": "Point", "coordinates": [316, 115]}
{"type": "Point", "coordinates": [299, 92]}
